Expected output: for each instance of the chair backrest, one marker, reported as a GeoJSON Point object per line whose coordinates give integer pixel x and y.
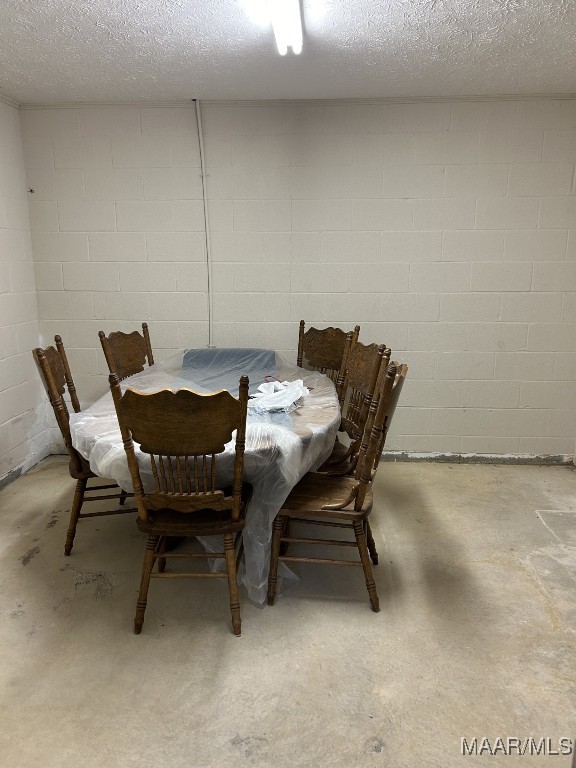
{"type": "Point", "coordinates": [375, 432]}
{"type": "Point", "coordinates": [182, 432]}
{"type": "Point", "coordinates": [363, 367]}
{"type": "Point", "coordinates": [324, 349]}
{"type": "Point", "coordinates": [401, 373]}
{"type": "Point", "coordinates": [54, 371]}
{"type": "Point", "coordinates": [127, 353]}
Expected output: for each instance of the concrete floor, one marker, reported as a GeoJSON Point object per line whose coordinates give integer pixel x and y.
{"type": "Point", "coordinates": [476, 636]}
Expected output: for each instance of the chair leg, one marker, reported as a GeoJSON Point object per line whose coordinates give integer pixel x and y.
{"type": "Point", "coordinates": [75, 514]}
{"type": "Point", "coordinates": [162, 560]}
{"type": "Point", "coordinates": [240, 552]}
{"type": "Point", "coordinates": [123, 497]}
{"type": "Point", "coordinates": [360, 534]}
{"type": "Point", "coordinates": [371, 545]}
{"type": "Point", "coordinates": [149, 558]}
{"type": "Point", "coordinates": [230, 554]}
{"type": "Point", "coordinates": [277, 529]}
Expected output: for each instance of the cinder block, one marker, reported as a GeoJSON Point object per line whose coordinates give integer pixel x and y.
{"type": "Point", "coordinates": [501, 276]}
{"type": "Point", "coordinates": [444, 277]}
{"type": "Point", "coordinates": [473, 307]}
{"type": "Point", "coordinates": [117, 246]}
{"type": "Point", "coordinates": [65, 305]}
{"type": "Point", "coordinates": [189, 216]}
{"type": "Point", "coordinates": [113, 184]}
{"type": "Point", "coordinates": [497, 337]}
{"type": "Point", "coordinates": [565, 367]}
{"type": "Point", "coordinates": [478, 245]}
{"type": "Point", "coordinates": [184, 152]}
{"type": "Point", "coordinates": [531, 245]}
{"type": "Point", "coordinates": [465, 365]}
{"type": "Point", "coordinates": [540, 179]}
{"type": "Point", "coordinates": [554, 276]}
{"type": "Point", "coordinates": [486, 180]}
{"type": "Point", "coordinates": [159, 276]}
{"type": "Point", "coordinates": [559, 146]}
{"type": "Point", "coordinates": [312, 277]}
{"type": "Point", "coordinates": [490, 394]}
{"type": "Point", "coordinates": [317, 150]}
{"type": "Point", "coordinates": [460, 421]}
{"type": "Point", "coordinates": [551, 337]}
{"type": "Point", "coordinates": [92, 152]}
{"type": "Point", "coordinates": [316, 215]}
{"type": "Point", "coordinates": [277, 247]}
{"type": "Point", "coordinates": [411, 246]}
{"type": "Point", "coordinates": [562, 423]}
{"type": "Point", "coordinates": [171, 121]}
{"type": "Point", "coordinates": [109, 121]}
{"type": "Point", "coordinates": [447, 337]}
{"type": "Point", "coordinates": [415, 181]}
{"type": "Point", "coordinates": [262, 215]}
{"type": "Point", "coordinates": [48, 276]}
{"type": "Point", "coordinates": [508, 146]}
{"type": "Point", "coordinates": [270, 278]}
{"type": "Point", "coordinates": [381, 215]}
{"type": "Point", "coordinates": [524, 366]}
{"type": "Point", "coordinates": [43, 216]}
{"type": "Point", "coordinates": [172, 184]}
{"type": "Point", "coordinates": [21, 277]}
{"type": "Point", "coordinates": [122, 306]}
{"type": "Point", "coordinates": [446, 147]}
{"type": "Point", "coordinates": [421, 394]}
{"type": "Point", "coordinates": [60, 246]}
{"type": "Point", "coordinates": [569, 307]}
{"type": "Point", "coordinates": [140, 152]}
{"type": "Point", "coordinates": [421, 116]}
{"type": "Point", "coordinates": [255, 151]}
{"type": "Point", "coordinates": [385, 149]}
{"type": "Point", "coordinates": [176, 246]}
{"type": "Point", "coordinates": [182, 306]}
{"type": "Point", "coordinates": [484, 115]}
{"type": "Point", "coordinates": [547, 394]}
{"type": "Point", "coordinates": [557, 213]}
{"type": "Point", "coordinates": [409, 307]}
{"type": "Point", "coordinates": [531, 307]}
{"type": "Point", "coordinates": [547, 446]}
{"type": "Point", "coordinates": [548, 113]}
{"type": "Point", "coordinates": [490, 445]}
{"type": "Point", "coordinates": [84, 216]}
{"type": "Point", "coordinates": [387, 277]}
{"type": "Point", "coordinates": [56, 184]}
{"type": "Point", "coordinates": [507, 213]}
{"type": "Point", "coordinates": [448, 213]}
{"type": "Point", "coordinates": [519, 423]}
{"type": "Point", "coordinates": [192, 277]}
{"type": "Point", "coordinates": [142, 216]}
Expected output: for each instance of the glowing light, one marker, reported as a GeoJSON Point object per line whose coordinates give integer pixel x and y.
{"type": "Point", "coordinates": [287, 25]}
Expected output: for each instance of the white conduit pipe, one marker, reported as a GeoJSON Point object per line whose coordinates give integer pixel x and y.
{"type": "Point", "coordinates": [206, 221]}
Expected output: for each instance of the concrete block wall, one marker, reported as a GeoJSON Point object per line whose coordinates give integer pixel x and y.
{"type": "Point", "coordinates": [446, 229]}
{"type": "Point", "coordinates": [24, 437]}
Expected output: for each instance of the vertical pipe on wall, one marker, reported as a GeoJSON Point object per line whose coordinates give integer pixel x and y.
{"type": "Point", "coordinates": [206, 220]}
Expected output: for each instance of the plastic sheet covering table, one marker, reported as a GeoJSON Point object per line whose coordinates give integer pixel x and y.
{"type": "Point", "coordinates": [280, 447]}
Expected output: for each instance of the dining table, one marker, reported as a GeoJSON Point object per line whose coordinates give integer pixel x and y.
{"type": "Point", "coordinates": [283, 441]}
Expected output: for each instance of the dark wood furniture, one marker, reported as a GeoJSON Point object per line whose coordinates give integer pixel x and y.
{"type": "Point", "coordinates": [337, 501]}
{"type": "Point", "coordinates": [359, 377]}
{"type": "Point", "coordinates": [324, 350]}
{"type": "Point", "coordinates": [181, 434]}
{"type": "Point", "coordinates": [127, 353]}
{"type": "Point", "coordinates": [401, 373]}
{"type": "Point", "coordinates": [55, 373]}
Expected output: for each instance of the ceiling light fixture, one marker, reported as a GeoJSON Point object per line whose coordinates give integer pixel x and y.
{"type": "Point", "coordinates": [287, 25]}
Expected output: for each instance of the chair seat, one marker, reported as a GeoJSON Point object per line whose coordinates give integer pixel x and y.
{"type": "Point", "coordinates": [202, 522]}
{"type": "Point", "coordinates": [316, 489]}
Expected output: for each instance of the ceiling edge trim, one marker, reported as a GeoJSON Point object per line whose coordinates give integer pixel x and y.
{"type": "Point", "coordinates": [292, 102]}
{"type": "Point", "coordinates": [9, 101]}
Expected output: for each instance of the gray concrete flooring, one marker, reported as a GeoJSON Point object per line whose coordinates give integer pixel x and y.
{"type": "Point", "coordinates": [475, 637]}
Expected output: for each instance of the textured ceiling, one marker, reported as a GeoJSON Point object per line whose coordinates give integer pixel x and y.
{"type": "Point", "coordinates": [165, 50]}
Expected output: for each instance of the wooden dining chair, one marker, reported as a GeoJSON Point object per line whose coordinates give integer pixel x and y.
{"type": "Point", "coordinates": [55, 373]}
{"type": "Point", "coordinates": [324, 349]}
{"type": "Point", "coordinates": [181, 434]}
{"type": "Point", "coordinates": [401, 373]}
{"type": "Point", "coordinates": [127, 353]}
{"type": "Point", "coordinates": [342, 502]}
{"type": "Point", "coordinates": [359, 377]}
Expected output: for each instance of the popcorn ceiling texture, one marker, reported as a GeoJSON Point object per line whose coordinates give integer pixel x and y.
{"type": "Point", "coordinates": [447, 230]}
{"type": "Point", "coordinates": [117, 50]}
